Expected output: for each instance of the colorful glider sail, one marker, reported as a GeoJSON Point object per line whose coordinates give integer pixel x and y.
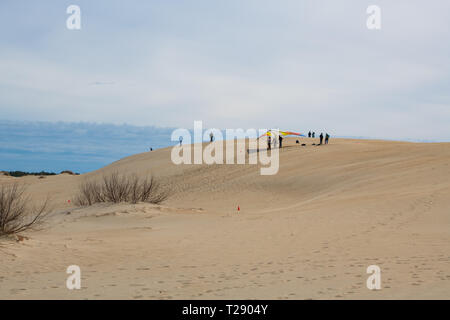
{"type": "Point", "coordinates": [273, 132]}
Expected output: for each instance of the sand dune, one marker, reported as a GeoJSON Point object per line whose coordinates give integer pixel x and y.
{"type": "Point", "coordinates": [308, 232]}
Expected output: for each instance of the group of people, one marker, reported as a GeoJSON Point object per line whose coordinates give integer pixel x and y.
{"type": "Point", "coordinates": [273, 141]}
{"type": "Point", "coordinates": [269, 142]}
{"type": "Point", "coordinates": [313, 135]}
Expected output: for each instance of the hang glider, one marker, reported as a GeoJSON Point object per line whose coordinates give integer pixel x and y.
{"type": "Point", "coordinates": [277, 132]}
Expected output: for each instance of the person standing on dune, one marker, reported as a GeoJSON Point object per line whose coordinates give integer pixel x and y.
{"type": "Point", "coordinates": [280, 141]}
{"type": "Point", "coordinates": [321, 138]}
{"type": "Point", "coordinates": [211, 137]}
{"type": "Point", "coordinates": [269, 142]}
{"type": "Point", "coordinates": [327, 137]}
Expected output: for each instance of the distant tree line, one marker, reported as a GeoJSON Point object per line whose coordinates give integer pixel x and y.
{"type": "Point", "coordinates": [42, 173]}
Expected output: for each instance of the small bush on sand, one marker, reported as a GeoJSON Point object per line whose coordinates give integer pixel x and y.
{"type": "Point", "coordinates": [15, 214]}
{"type": "Point", "coordinates": [117, 188]}
{"type": "Point", "coordinates": [67, 172]}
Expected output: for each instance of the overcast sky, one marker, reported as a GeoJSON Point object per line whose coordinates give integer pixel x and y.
{"type": "Point", "coordinates": [296, 65]}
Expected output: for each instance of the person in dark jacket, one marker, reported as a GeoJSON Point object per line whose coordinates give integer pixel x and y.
{"type": "Point", "coordinates": [327, 137]}
{"type": "Point", "coordinates": [280, 140]}
{"type": "Point", "coordinates": [321, 138]}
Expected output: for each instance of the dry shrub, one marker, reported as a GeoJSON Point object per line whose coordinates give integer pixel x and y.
{"type": "Point", "coordinates": [89, 193]}
{"type": "Point", "coordinates": [117, 188]}
{"type": "Point", "coordinates": [15, 214]}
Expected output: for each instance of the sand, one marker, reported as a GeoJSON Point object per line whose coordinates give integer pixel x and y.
{"type": "Point", "coordinates": [309, 232]}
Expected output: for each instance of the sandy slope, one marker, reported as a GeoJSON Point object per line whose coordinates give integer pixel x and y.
{"type": "Point", "coordinates": [308, 232]}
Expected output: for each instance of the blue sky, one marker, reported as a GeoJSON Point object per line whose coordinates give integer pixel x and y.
{"type": "Point", "coordinates": [80, 147]}
{"type": "Point", "coordinates": [292, 64]}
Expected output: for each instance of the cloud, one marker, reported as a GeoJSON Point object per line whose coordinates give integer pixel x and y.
{"type": "Point", "coordinates": [102, 83]}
